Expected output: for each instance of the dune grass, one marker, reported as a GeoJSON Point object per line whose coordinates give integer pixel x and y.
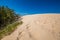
{"type": "Point", "coordinates": [9, 29]}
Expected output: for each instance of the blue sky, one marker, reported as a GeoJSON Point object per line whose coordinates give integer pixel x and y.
{"type": "Point", "coordinates": [25, 7]}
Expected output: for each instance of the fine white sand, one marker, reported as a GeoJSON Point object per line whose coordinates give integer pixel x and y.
{"type": "Point", "coordinates": [37, 27]}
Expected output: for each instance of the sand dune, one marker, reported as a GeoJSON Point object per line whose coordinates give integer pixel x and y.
{"type": "Point", "coordinates": [37, 27]}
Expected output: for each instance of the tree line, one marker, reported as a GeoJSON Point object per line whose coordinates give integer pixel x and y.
{"type": "Point", "coordinates": [7, 16]}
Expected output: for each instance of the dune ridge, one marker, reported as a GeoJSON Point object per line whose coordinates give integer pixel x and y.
{"type": "Point", "coordinates": [37, 27]}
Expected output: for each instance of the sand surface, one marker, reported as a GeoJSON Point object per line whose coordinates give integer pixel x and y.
{"type": "Point", "coordinates": [37, 27]}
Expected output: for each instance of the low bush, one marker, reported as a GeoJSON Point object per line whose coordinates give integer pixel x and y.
{"type": "Point", "coordinates": [9, 29]}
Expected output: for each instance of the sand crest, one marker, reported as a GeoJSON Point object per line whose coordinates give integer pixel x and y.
{"type": "Point", "coordinates": [37, 27]}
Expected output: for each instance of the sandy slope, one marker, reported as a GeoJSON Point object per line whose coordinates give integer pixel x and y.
{"type": "Point", "coordinates": [37, 27]}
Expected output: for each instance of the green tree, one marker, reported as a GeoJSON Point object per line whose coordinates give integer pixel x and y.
{"type": "Point", "coordinates": [7, 16]}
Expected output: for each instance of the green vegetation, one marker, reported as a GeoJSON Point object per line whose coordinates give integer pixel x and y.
{"type": "Point", "coordinates": [7, 16]}
{"type": "Point", "coordinates": [8, 21]}
{"type": "Point", "coordinates": [9, 29]}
